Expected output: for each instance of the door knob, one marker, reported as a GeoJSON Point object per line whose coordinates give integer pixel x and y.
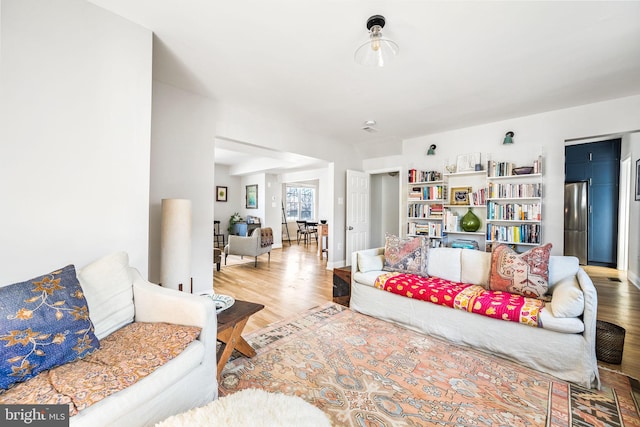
{"type": "Point", "coordinates": [350, 228]}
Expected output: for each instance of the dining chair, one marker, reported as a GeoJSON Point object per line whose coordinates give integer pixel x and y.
{"type": "Point", "coordinates": [303, 232]}
{"type": "Point", "coordinates": [312, 229]}
{"type": "Point", "coordinates": [217, 236]}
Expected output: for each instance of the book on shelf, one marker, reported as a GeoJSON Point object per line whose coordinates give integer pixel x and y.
{"type": "Point", "coordinates": [478, 197]}
{"type": "Point", "coordinates": [537, 165]}
{"type": "Point", "coordinates": [522, 233]}
{"type": "Point", "coordinates": [451, 221]}
{"type": "Point", "coordinates": [514, 211]}
{"type": "Point", "coordinates": [424, 176]}
{"type": "Point", "coordinates": [499, 168]}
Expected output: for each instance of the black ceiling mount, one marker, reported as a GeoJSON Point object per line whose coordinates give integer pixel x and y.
{"type": "Point", "coordinates": [375, 20]}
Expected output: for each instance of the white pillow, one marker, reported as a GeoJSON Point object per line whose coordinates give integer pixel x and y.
{"type": "Point", "coordinates": [476, 266]}
{"type": "Point", "coordinates": [370, 262]}
{"type": "Point", "coordinates": [561, 267]}
{"type": "Point", "coordinates": [445, 263]}
{"type": "Point", "coordinates": [108, 288]}
{"type": "Point", "coordinates": [567, 299]}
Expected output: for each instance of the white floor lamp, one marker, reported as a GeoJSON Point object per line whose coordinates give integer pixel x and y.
{"type": "Point", "coordinates": [175, 244]}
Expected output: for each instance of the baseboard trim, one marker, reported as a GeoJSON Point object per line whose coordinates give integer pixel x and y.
{"type": "Point", "coordinates": [633, 278]}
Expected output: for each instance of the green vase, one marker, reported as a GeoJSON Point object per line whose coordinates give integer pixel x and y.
{"type": "Point", "coordinates": [470, 222]}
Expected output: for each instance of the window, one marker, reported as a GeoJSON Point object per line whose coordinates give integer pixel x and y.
{"type": "Point", "coordinates": [301, 202]}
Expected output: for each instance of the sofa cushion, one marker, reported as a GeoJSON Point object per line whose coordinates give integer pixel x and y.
{"type": "Point", "coordinates": [476, 266]}
{"type": "Point", "coordinates": [368, 263]}
{"type": "Point", "coordinates": [568, 298]}
{"type": "Point", "coordinates": [108, 287]}
{"type": "Point", "coordinates": [368, 278]}
{"type": "Point", "coordinates": [524, 274]}
{"type": "Point", "coordinates": [406, 255]}
{"type": "Point", "coordinates": [45, 323]}
{"type": "Point", "coordinates": [561, 267]}
{"type": "Point", "coordinates": [446, 263]}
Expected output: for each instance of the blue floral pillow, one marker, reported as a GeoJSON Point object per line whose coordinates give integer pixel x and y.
{"type": "Point", "coordinates": [44, 322]}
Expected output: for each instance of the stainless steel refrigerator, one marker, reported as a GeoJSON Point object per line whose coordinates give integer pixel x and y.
{"type": "Point", "coordinates": [576, 220]}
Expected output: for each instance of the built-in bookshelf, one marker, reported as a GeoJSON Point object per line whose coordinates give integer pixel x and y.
{"type": "Point", "coordinates": [466, 190]}
{"type": "Point", "coordinates": [514, 205]}
{"type": "Point", "coordinates": [425, 201]}
{"type": "Point", "coordinates": [508, 205]}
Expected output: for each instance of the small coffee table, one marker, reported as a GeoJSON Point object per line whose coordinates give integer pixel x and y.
{"type": "Point", "coordinates": [231, 322]}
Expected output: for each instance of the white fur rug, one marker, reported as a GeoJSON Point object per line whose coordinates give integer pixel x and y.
{"type": "Point", "coordinates": [252, 407]}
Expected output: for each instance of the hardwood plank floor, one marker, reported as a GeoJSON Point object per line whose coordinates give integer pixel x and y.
{"type": "Point", "coordinates": [296, 280]}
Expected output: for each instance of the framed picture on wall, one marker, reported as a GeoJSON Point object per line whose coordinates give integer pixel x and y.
{"type": "Point", "coordinates": [252, 196]}
{"type": "Point", "coordinates": [638, 179]}
{"type": "Point", "coordinates": [221, 194]}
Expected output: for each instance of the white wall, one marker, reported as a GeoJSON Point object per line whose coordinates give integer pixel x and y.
{"type": "Point", "coordinates": [222, 211]}
{"type": "Point", "coordinates": [541, 133]}
{"type": "Point", "coordinates": [633, 272]}
{"type": "Point", "coordinates": [75, 93]}
{"type": "Point", "coordinates": [182, 166]}
{"type": "Point", "coordinates": [384, 212]}
{"type": "Point", "coordinates": [273, 207]}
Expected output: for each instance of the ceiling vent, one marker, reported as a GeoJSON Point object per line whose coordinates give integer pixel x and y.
{"type": "Point", "coordinates": [369, 126]}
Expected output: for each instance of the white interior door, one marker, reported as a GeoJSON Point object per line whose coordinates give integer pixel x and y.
{"type": "Point", "coordinates": [358, 215]}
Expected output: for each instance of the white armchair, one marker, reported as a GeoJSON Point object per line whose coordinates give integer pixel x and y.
{"type": "Point", "coordinates": [258, 243]}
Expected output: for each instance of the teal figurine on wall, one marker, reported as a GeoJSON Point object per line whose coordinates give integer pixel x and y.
{"type": "Point", "coordinates": [470, 222]}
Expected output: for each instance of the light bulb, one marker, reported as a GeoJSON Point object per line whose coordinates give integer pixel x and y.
{"type": "Point", "coordinates": [375, 37]}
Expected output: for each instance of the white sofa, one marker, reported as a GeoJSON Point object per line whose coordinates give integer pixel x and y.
{"type": "Point", "coordinates": [247, 246]}
{"type": "Point", "coordinates": [177, 373]}
{"type": "Point", "coordinates": [117, 295]}
{"type": "Point", "coordinates": [564, 347]}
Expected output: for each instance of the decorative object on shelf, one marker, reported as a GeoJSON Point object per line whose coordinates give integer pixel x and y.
{"type": "Point", "coordinates": [252, 196]}
{"type": "Point", "coordinates": [432, 150]}
{"type": "Point", "coordinates": [378, 50]}
{"type": "Point", "coordinates": [467, 162]}
{"type": "Point", "coordinates": [175, 243]}
{"type": "Point", "coordinates": [470, 222]}
{"type": "Point", "coordinates": [221, 194]}
{"type": "Point", "coordinates": [450, 168]}
{"type": "Point", "coordinates": [508, 138]}
{"type": "Point", "coordinates": [523, 170]}
{"type": "Point", "coordinates": [460, 195]}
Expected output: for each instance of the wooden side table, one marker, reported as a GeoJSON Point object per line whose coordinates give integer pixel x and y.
{"type": "Point", "coordinates": [323, 231]}
{"type": "Point", "coordinates": [231, 322]}
{"type": "Point", "coordinates": [342, 285]}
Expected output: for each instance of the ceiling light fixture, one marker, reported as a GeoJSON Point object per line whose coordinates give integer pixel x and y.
{"type": "Point", "coordinates": [377, 51]}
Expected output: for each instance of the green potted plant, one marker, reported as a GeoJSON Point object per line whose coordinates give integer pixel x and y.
{"type": "Point", "coordinates": [235, 217]}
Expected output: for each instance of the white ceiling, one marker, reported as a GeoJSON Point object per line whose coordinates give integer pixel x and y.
{"type": "Point", "coordinates": [460, 63]}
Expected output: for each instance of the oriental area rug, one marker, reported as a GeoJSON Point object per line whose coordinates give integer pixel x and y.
{"type": "Point", "coordinates": [362, 371]}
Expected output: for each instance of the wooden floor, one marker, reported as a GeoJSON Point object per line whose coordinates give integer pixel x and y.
{"type": "Point", "coordinates": [296, 280]}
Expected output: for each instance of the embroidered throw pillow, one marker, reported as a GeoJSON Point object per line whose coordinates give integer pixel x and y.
{"type": "Point", "coordinates": [524, 274]}
{"type": "Point", "coordinates": [408, 255]}
{"type": "Point", "coordinates": [45, 323]}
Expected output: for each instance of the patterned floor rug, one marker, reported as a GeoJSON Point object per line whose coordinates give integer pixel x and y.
{"type": "Point", "coordinates": [363, 371]}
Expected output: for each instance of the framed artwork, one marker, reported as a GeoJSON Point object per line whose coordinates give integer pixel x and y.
{"type": "Point", "coordinates": [460, 195]}
{"type": "Point", "coordinates": [252, 196]}
{"type": "Point", "coordinates": [467, 162]}
{"type": "Point", "coordinates": [638, 179]}
{"type": "Point", "coordinates": [221, 194]}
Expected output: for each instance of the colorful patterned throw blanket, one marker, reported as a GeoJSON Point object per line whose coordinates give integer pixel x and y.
{"type": "Point", "coordinates": [461, 296]}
